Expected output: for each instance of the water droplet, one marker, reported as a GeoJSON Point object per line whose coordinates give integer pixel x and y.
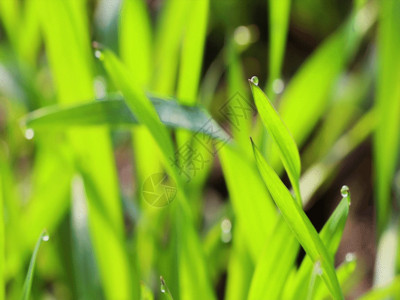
{"type": "Point", "coordinates": [226, 225]}
{"type": "Point", "coordinates": [163, 286]}
{"type": "Point", "coordinates": [350, 257]}
{"type": "Point", "coordinates": [45, 237]}
{"type": "Point", "coordinates": [344, 191]}
{"type": "Point", "coordinates": [278, 85]}
{"type": "Point", "coordinates": [29, 133]}
{"type": "Point", "coordinates": [254, 80]}
{"type": "Point", "coordinates": [98, 54]}
{"type": "Point", "coordinates": [318, 268]}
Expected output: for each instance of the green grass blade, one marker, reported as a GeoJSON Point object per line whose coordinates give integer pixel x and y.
{"type": "Point", "coordinates": [145, 292]}
{"type": "Point", "coordinates": [26, 292]}
{"type": "Point", "coordinates": [192, 268]}
{"type": "Point", "coordinates": [2, 242]}
{"type": "Point", "coordinates": [10, 17]}
{"type": "Point", "coordinates": [312, 84]}
{"type": "Point", "coordinates": [347, 276]}
{"type": "Point", "coordinates": [275, 263]}
{"type": "Point", "coordinates": [135, 38]}
{"type": "Point", "coordinates": [68, 51]}
{"type": "Point", "coordinates": [387, 141]}
{"type": "Point", "coordinates": [192, 52]}
{"type": "Point", "coordinates": [164, 289]}
{"type": "Point", "coordinates": [237, 89]}
{"type": "Point", "coordinates": [167, 42]}
{"type": "Point", "coordinates": [29, 34]}
{"type": "Point", "coordinates": [320, 172]}
{"type": "Point", "coordinates": [253, 208]}
{"type": "Point", "coordinates": [113, 111]}
{"type": "Point", "coordinates": [299, 223]}
{"type": "Point", "coordinates": [279, 16]}
{"type": "Point", "coordinates": [86, 274]}
{"type": "Point", "coordinates": [193, 271]}
{"type": "Point", "coordinates": [390, 290]}
{"type": "Point", "coordinates": [283, 139]}
{"type": "Point", "coordinates": [330, 235]}
{"type": "Point", "coordinates": [49, 202]}
{"type": "Point", "coordinates": [240, 268]}
{"type": "Point", "coordinates": [137, 101]}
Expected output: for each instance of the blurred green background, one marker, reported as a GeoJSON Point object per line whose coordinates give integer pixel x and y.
{"type": "Point", "coordinates": [99, 99]}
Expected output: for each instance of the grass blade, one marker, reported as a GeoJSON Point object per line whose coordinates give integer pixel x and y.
{"type": "Point", "coordinates": [167, 43]}
{"type": "Point", "coordinates": [275, 263]}
{"type": "Point", "coordinates": [137, 101]}
{"type": "Point", "coordinates": [86, 274]}
{"type": "Point", "coordinates": [190, 251]}
{"type": "Point", "coordinates": [387, 140]}
{"type": "Point", "coordinates": [113, 111]}
{"type": "Point", "coordinates": [347, 276]}
{"type": "Point", "coordinates": [2, 242]}
{"type": "Point", "coordinates": [29, 276]}
{"type": "Point", "coordinates": [240, 268]}
{"type": "Point", "coordinates": [299, 223]}
{"type": "Point", "coordinates": [279, 16]}
{"type": "Point", "coordinates": [287, 147]}
{"type": "Point", "coordinates": [258, 219]}
{"type": "Point", "coordinates": [68, 51]}
{"type": "Point", "coordinates": [135, 38]}
{"type": "Point", "coordinates": [312, 84]}
{"type": "Point", "coordinates": [330, 235]}
{"type": "Point", "coordinates": [390, 290]}
{"type": "Point", "coordinates": [192, 52]}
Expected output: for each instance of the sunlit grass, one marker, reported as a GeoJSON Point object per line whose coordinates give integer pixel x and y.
{"type": "Point", "coordinates": [121, 125]}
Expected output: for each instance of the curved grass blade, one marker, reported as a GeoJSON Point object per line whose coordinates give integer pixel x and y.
{"type": "Point", "coordinates": [113, 111]}
{"type": "Point", "coordinates": [299, 223]}
{"type": "Point", "coordinates": [29, 276]}
{"type": "Point", "coordinates": [288, 151]}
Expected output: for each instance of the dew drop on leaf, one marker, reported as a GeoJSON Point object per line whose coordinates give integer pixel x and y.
{"type": "Point", "coordinates": [254, 80]}
{"type": "Point", "coordinates": [29, 133]}
{"type": "Point", "coordinates": [344, 191]}
{"type": "Point", "coordinates": [98, 54]}
{"type": "Point", "coordinates": [45, 237]}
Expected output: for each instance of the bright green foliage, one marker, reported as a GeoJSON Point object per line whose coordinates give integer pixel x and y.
{"type": "Point", "coordinates": [387, 138]}
{"type": "Point", "coordinates": [299, 223]}
{"type": "Point", "coordinates": [279, 16]}
{"type": "Point", "coordinates": [110, 94]}
{"type": "Point", "coordinates": [26, 292]}
{"type": "Point", "coordinates": [287, 147]}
